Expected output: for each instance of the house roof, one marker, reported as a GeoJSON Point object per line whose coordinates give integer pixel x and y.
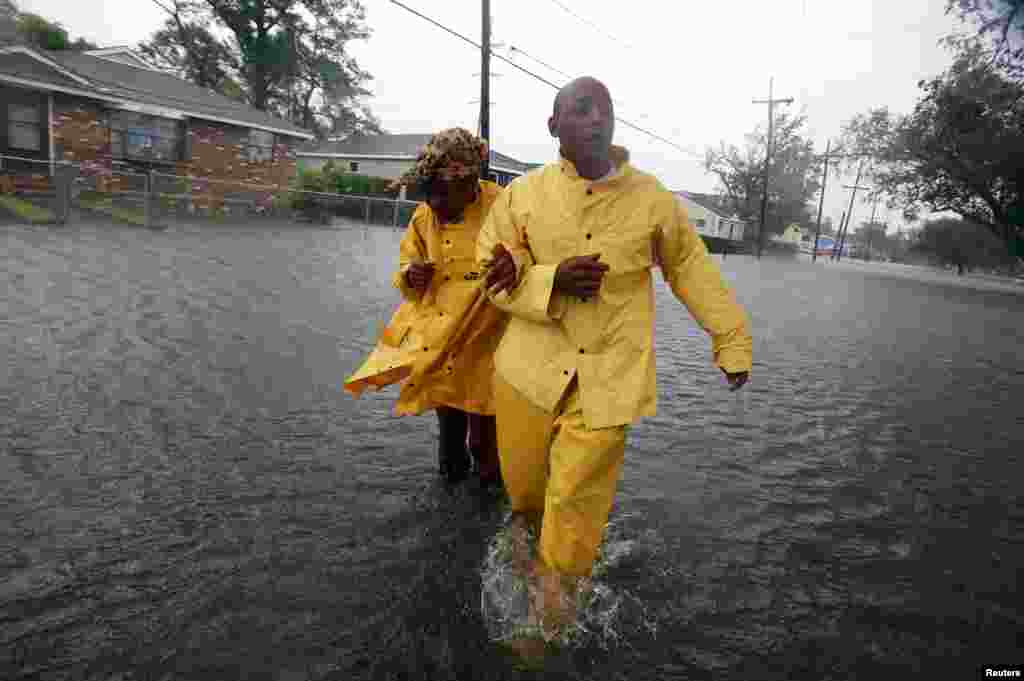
{"type": "Point", "coordinates": [112, 77]}
{"type": "Point", "coordinates": [710, 202]}
{"type": "Point", "coordinates": [125, 55]}
{"type": "Point", "coordinates": [394, 147]}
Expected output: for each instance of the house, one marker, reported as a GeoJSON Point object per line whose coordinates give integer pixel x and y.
{"type": "Point", "coordinates": [711, 217]}
{"type": "Point", "coordinates": [792, 235]}
{"type": "Point", "coordinates": [108, 110]}
{"type": "Point", "coordinates": [389, 156]}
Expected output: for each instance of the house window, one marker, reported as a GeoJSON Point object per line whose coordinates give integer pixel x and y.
{"type": "Point", "coordinates": [353, 166]}
{"type": "Point", "coordinates": [24, 127]}
{"type": "Point", "coordinates": [144, 137]}
{"type": "Point", "coordinates": [261, 145]}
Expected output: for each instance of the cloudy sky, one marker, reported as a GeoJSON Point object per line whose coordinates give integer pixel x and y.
{"type": "Point", "coordinates": [685, 70]}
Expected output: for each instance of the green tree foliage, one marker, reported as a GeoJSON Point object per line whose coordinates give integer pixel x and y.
{"type": "Point", "coordinates": [793, 178]}
{"type": "Point", "coordinates": [869, 238]}
{"type": "Point", "coordinates": [186, 47]}
{"type": "Point", "coordinates": [31, 29]}
{"type": "Point", "coordinates": [1001, 23]}
{"type": "Point", "coordinates": [951, 241]}
{"type": "Point", "coordinates": [287, 57]}
{"type": "Point", "coordinates": [960, 150]}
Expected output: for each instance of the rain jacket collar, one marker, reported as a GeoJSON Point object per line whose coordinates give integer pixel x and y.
{"type": "Point", "coordinates": [620, 166]}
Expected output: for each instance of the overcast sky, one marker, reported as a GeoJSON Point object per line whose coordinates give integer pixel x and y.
{"type": "Point", "coordinates": [685, 70]}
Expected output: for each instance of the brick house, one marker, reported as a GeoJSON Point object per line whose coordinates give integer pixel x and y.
{"type": "Point", "coordinates": [108, 110]}
{"type": "Point", "coordinates": [389, 156]}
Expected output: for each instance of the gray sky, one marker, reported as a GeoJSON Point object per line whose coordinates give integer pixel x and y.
{"type": "Point", "coordinates": [686, 70]}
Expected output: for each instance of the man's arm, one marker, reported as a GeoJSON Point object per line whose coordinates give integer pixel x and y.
{"type": "Point", "coordinates": [411, 250]}
{"type": "Point", "coordinates": [533, 296]}
{"type": "Point", "coordinates": [697, 282]}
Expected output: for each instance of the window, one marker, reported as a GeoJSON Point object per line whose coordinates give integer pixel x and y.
{"type": "Point", "coordinates": [261, 145]}
{"type": "Point", "coordinates": [700, 223]}
{"type": "Point", "coordinates": [353, 166]}
{"type": "Point", "coordinates": [141, 136]}
{"type": "Point", "coordinates": [24, 128]}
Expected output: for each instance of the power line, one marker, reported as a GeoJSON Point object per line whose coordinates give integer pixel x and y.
{"type": "Point", "coordinates": [513, 48]}
{"type": "Point", "coordinates": [591, 24]}
{"type": "Point", "coordinates": [547, 82]}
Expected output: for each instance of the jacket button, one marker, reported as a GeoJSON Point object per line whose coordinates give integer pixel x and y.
{"type": "Point", "coordinates": [566, 373]}
{"type": "Point", "coordinates": [440, 314]}
{"type": "Point", "coordinates": [581, 351]}
{"type": "Point", "coordinates": [589, 191]}
{"type": "Point", "coordinates": [447, 278]}
{"type": "Point", "coordinates": [588, 237]}
{"type": "Point", "coordinates": [428, 350]}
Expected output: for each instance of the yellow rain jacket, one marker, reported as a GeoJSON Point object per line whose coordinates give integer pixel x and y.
{"type": "Point", "coordinates": [607, 342]}
{"type": "Point", "coordinates": [442, 341]}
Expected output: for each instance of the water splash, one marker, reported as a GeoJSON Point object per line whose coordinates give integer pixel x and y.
{"type": "Point", "coordinates": [603, 611]}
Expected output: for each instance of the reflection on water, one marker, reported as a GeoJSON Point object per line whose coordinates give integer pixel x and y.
{"type": "Point", "coordinates": [188, 494]}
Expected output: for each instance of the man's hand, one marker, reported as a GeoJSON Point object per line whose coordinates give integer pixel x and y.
{"type": "Point", "coordinates": [580, 276]}
{"type": "Point", "coordinates": [736, 380]}
{"type": "Point", "coordinates": [419, 275]}
{"type": "Point", "coordinates": [502, 274]}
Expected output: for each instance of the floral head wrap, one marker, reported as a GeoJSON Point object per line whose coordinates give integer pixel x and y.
{"type": "Point", "coordinates": [450, 154]}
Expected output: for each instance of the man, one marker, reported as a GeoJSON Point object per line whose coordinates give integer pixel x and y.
{"type": "Point", "coordinates": [576, 364]}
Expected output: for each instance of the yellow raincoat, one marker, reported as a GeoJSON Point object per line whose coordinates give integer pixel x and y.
{"type": "Point", "coordinates": [572, 374]}
{"type": "Point", "coordinates": [442, 341]}
{"type": "Point", "coordinates": [607, 342]}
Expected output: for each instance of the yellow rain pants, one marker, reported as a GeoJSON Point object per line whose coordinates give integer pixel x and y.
{"type": "Point", "coordinates": [553, 464]}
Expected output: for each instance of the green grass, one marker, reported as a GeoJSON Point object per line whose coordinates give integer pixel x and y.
{"type": "Point", "coordinates": [25, 210]}
{"type": "Point", "coordinates": [102, 203]}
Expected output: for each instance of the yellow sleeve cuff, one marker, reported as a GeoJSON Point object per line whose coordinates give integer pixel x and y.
{"type": "Point", "coordinates": [533, 298]}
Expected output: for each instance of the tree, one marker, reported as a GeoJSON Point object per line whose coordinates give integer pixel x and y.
{"type": "Point", "coordinates": [288, 57]}
{"type": "Point", "coordinates": [793, 177]}
{"type": "Point", "coordinates": [35, 30]}
{"type": "Point", "coordinates": [960, 150]}
{"type": "Point", "coordinates": [870, 237]}
{"type": "Point", "coordinates": [951, 241]}
{"type": "Point", "coordinates": [188, 49]}
{"type": "Point", "coordinates": [1000, 21]}
{"type": "Point", "coordinates": [8, 22]}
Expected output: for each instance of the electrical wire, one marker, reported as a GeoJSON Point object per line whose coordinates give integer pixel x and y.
{"type": "Point", "coordinates": [589, 23]}
{"type": "Point", "coordinates": [628, 124]}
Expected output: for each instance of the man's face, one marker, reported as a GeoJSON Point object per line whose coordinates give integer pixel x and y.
{"type": "Point", "coordinates": [584, 121]}
{"type": "Point", "coordinates": [448, 200]}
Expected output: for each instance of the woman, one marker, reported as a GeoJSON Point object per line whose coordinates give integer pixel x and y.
{"type": "Point", "coordinates": [442, 338]}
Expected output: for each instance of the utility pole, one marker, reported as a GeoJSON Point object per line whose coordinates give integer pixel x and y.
{"type": "Point", "coordinates": [821, 202]}
{"type": "Point", "coordinates": [485, 85]}
{"type": "Point", "coordinates": [837, 254]}
{"type": "Point", "coordinates": [768, 156]}
{"type": "Point", "coordinates": [871, 227]}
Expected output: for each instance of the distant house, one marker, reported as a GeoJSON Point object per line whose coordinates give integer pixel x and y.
{"type": "Point", "coordinates": [389, 156]}
{"type": "Point", "coordinates": [107, 109]}
{"type": "Point", "coordinates": [711, 217]}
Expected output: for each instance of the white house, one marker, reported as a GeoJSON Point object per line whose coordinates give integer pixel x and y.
{"type": "Point", "coordinates": [711, 217]}
{"type": "Point", "coordinates": [389, 156]}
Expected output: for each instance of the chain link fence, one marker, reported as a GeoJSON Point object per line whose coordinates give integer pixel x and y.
{"type": "Point", "coordinates": [56, 192]}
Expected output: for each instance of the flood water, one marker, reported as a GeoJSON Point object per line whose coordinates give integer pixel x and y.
{"type": "Point", "coordinates": [187, 493]}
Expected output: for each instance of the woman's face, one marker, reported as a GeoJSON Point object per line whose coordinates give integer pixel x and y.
{"type": "Point", "coordinates": [448, 199]}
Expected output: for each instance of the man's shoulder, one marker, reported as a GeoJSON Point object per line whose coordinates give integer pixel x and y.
{"type": "Point", "coordinates": [536, 177]}
{"type": "Point", "coordinates": [647, 185]}
{"type": "Point", "coordinates": [645, 181]}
